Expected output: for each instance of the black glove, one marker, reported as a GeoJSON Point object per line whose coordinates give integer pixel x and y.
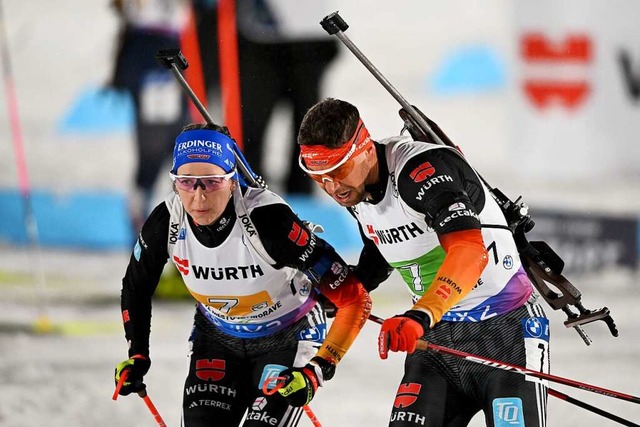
{"type": "Point", "coordinates": [137, 366]}
{"type": "Point", "coordinates": [301, 383]}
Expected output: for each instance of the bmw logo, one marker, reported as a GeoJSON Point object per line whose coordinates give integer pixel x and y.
{"type": "Point", "coordinates": [507, 262]}
{"type": "Point", "coordinates": [534, 327]}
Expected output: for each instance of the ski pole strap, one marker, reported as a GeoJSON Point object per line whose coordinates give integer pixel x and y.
{"type": "Point", "coordinates": [277, 383]}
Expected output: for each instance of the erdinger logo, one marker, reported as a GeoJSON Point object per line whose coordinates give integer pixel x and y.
{"type": "Point", "coordinates": [407, 395]}
{"type": "Point", "coordinates": [196, 145]}
{"type": "Point", "coordinates": [298, 235]}
{"type": "Point", "coordinates": [210, 369]}
{"type": "Point", "coordinates": [182, 265]}
{"type": "Point", "coordinates": [422, 172]}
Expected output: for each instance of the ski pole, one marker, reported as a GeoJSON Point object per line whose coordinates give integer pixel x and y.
{"type": "Point", "coordinates": [279, 383]}
{"type": "Point", "coordinates": [424, 345]}
{"type": "Point", "coordinates": [156, 415]}
{"type": "Point", "coordinates": [335, 25]}
{"type": "Point", "coordinates": [562, 396]}
{"type": "Point", "coordinates": [173, 60]}
{"type": "Point", "coordinates": [584, 405]}
{"type": "Point", "coordinates": [143, 394]}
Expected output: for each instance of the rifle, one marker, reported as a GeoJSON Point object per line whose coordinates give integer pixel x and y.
{"type": "Point", "coordinates": [540, 262]}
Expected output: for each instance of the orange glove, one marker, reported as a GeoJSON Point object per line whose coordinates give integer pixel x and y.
{"type": "Point", "coordinates": [400, 333]}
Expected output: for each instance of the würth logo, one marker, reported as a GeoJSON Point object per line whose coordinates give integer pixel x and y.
{"type": "Point", "coordinates": [556, 70]}
{"type": "Point", "coordinates": [392, 235]}
{"type": "Point", "coordinates": [182, 264]}
{"type": "Point", "coordinates": [210, 369]}
{"type": "Point", "coordinates": [298, 235]}
{"type": "Point", "coordinates": [407, 395]}
{"type": "Point", "coordinates": [422, 172]}
{"type": "Point", "coordinates": [443, 292]}
{"type": "Point", "coordinates": [372, 234]}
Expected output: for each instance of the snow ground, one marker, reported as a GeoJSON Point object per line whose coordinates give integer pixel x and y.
{"type": "Point", "coordinates": [64, 378]}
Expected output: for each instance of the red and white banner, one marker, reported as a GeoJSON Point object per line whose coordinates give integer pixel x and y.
{"type": "Point", "coordinates": [576, 112]}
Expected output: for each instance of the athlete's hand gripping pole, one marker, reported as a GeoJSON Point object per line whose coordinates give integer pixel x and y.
{"type": "Point", "coordinates": [173, 60]}
{"type": "Point", "coordinates": [423, 345]}
{"type": "Point", "coordinates": [272, 385]}
{"type": "Point", "coordinates": [143, 394]}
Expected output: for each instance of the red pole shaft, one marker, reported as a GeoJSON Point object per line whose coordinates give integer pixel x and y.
{"type": "Point", "coordinates": [194, 75]}
{"type": "Point", "coordinates": [230, 68]}
{"type": "Point", "coordinates": [312, 417]}
{"type": "Point", "coordinates": [13, 110]}
{"type": "Point", "coordinates": [152, 408]}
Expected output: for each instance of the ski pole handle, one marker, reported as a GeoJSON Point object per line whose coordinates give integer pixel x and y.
{"type": "Point", "coordinates": [335, 25]}
{"type": "Point", "coordinates": [123, 378]}
{"type": "Point", "coordinates": [279, 383]}
{"type": "Point", "coordinates": [173, 60]}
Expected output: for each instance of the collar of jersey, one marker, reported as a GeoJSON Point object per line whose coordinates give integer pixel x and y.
{"type": "Point", "coordinates": [378, 190]}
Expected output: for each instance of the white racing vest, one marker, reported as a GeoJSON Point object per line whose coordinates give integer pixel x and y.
{"type": "Point", "coordinates": [412, 248]}
{"type": "Point", "coordinates": [235, 284]}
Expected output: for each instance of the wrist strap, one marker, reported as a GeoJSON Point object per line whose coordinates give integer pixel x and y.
{"type": "Point", "coordinates": [420, 317]}
{"type": "Point", "coordinates": [315, 377]}
{"type": "Point", "coordinates": [326, 368]}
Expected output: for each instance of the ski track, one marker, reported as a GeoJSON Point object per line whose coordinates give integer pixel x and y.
{"type": "Point", "coordinates": [66, 379]}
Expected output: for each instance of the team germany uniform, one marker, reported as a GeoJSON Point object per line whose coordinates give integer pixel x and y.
{"type": "Point", "coordinates": [426, 191]}
{"type": "Point", "coordinates": [257, 311]}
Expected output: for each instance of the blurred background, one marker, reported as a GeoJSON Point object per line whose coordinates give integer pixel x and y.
{"type": "Point", "coordinates": [543, 97]}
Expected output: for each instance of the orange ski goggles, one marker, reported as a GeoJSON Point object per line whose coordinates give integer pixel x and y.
{"type": "Point", "coordinates": [340, 161]}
